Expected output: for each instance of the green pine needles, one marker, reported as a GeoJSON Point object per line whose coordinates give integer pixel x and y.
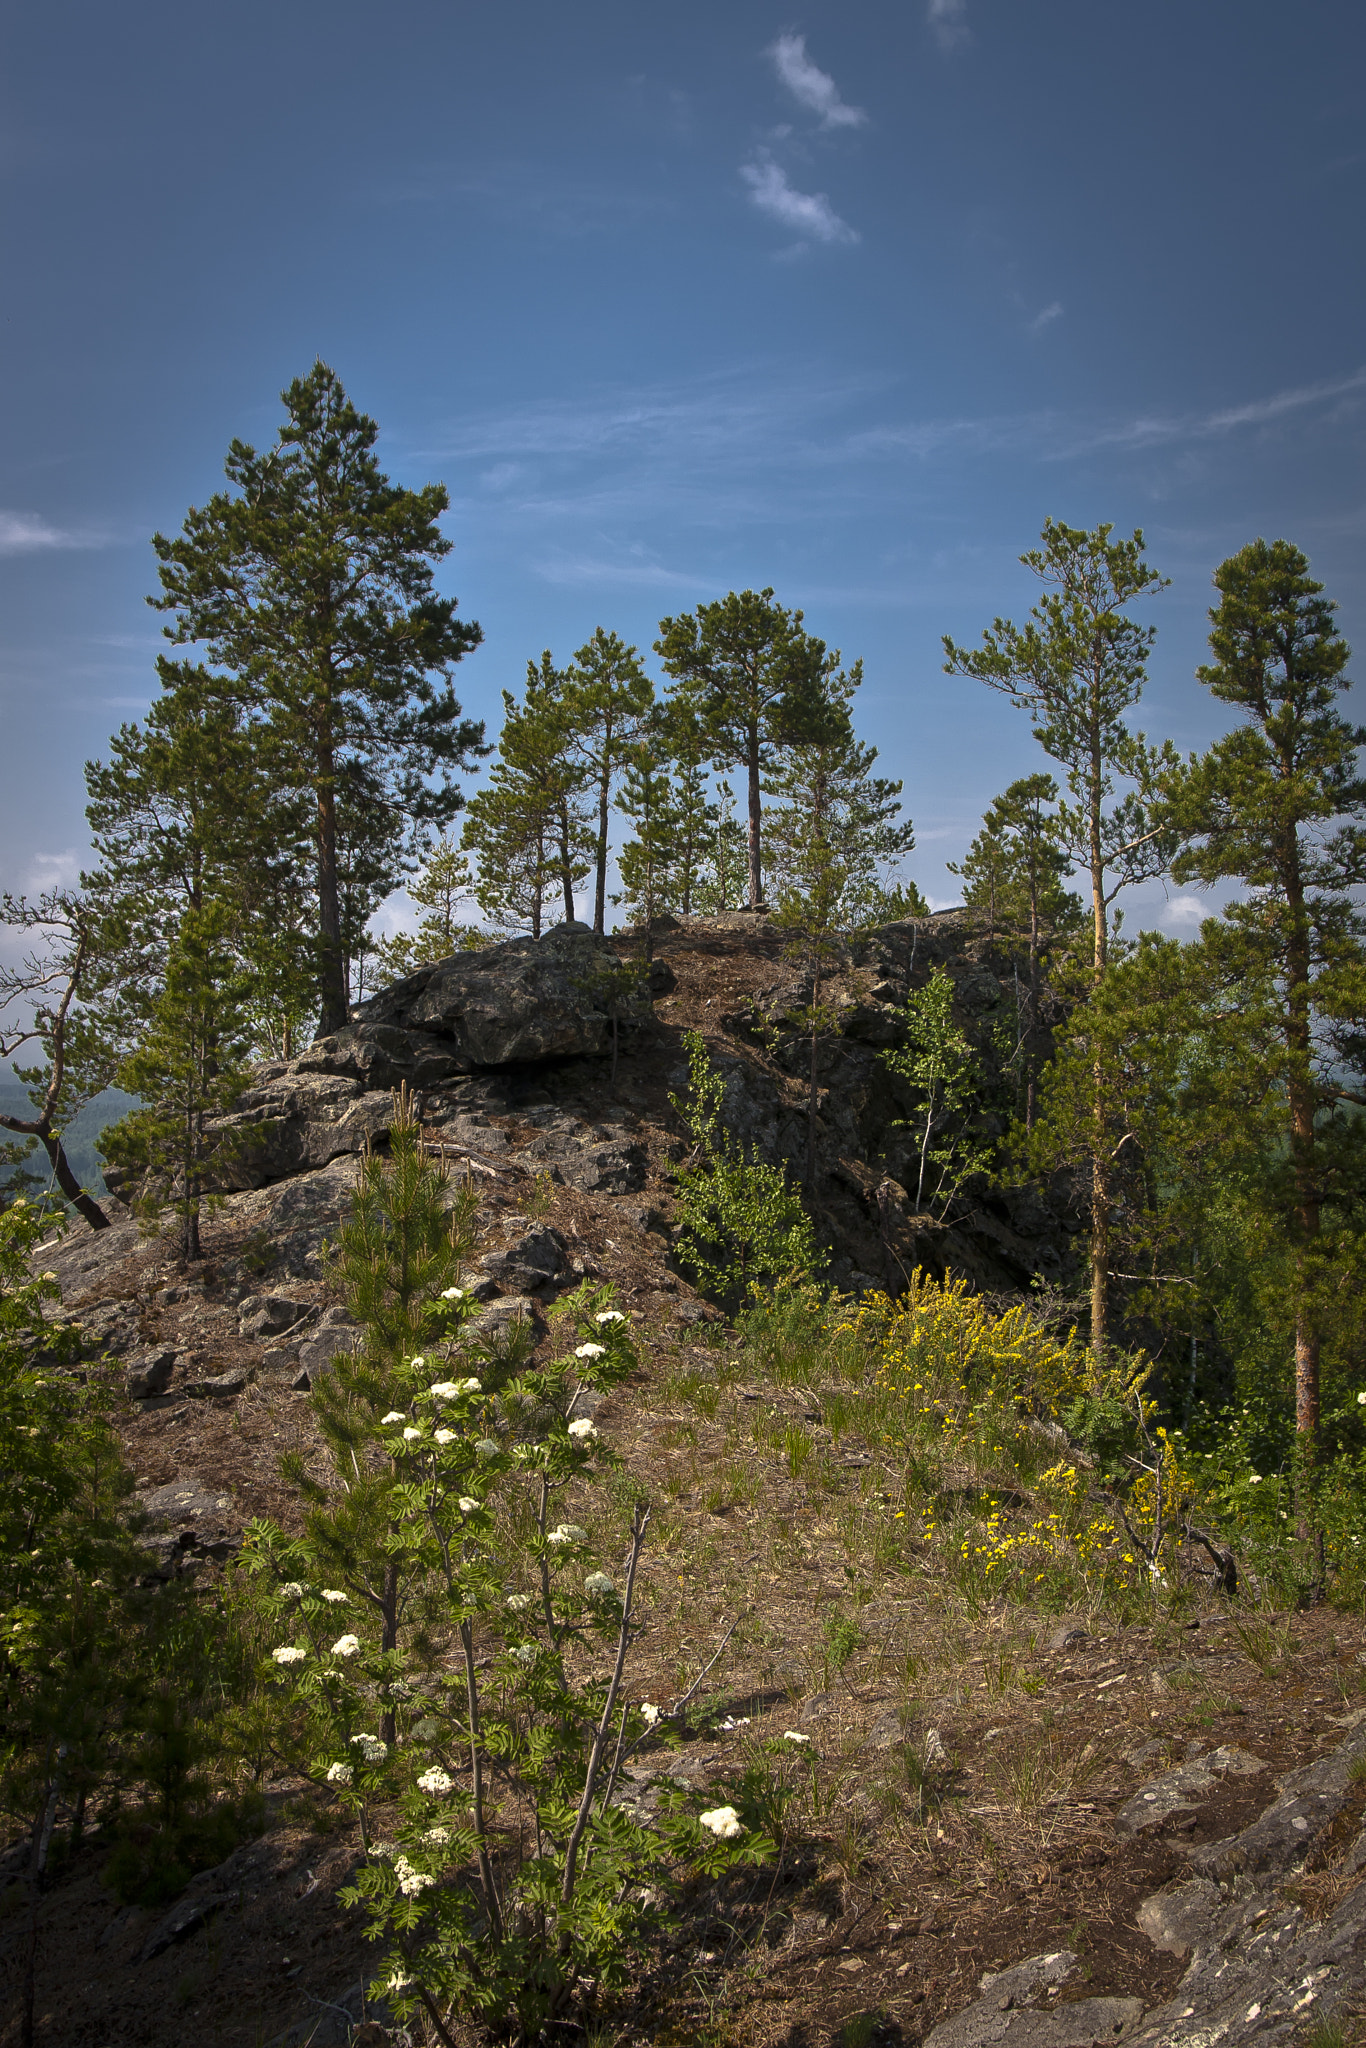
{"type": "Point", "coordinates": [452, 1652]}
{"type": "Point", "coordinates": [742, 1225]}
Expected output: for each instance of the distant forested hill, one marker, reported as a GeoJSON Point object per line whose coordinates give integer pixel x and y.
{"type": "Point", "coordinates": [80, 1136]}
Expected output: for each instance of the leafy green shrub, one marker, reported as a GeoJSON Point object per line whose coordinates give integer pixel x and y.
{"type": "Point", "coordinates": [742, 1227]}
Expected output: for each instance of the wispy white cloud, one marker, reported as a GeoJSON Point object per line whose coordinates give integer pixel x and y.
{"type": "Point", "coordinates": [1153, 430]}
{"type": "Point", "coordinates": [948, 21]}
{"type": "Point", "coordinates": [27, 533]}
{"type": "Point", "coordinates": [577, 570]}
{"type": "Point", "coordinates": [808, 213]}
{"type": "Point", "coordinates": [810, 86]}
{"type": "Point", "coordinates": [1046, 318]}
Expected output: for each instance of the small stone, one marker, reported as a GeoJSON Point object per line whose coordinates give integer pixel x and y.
{"type": "Point", "coordinates": [1174, 1921]}
{"type": "Point", "coordinates": [270, 1315]}
{"type": "Point", "coordinates": [223, 1386]}
{"type": "Point", "coordinates": [149, 1372]}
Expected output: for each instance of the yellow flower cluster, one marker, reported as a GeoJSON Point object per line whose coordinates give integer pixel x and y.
{"type": "Point", "coordinates": [1065, 1537]}
{"type": "Point", "coordinates": [939, 1330]}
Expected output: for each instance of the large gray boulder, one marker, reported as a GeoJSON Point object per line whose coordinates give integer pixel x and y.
{"type": "Point", "coordinates": [528, 999]}
{"type": "Point", "coordinates": [507, 1005]}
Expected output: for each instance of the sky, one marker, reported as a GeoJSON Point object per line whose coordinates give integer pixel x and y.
{"type": "Point", "coordinates": [679, 300]}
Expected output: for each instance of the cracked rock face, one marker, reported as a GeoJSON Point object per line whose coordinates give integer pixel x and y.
{"type": "Point", "coordinates": [1020, 2006]}
{"type": "Point", "coordinates": [530, 999]}
{"type": "Point", "coordinates": [1181, 1789]}
{"type": "Point", "coordinates": [1261, 1969]}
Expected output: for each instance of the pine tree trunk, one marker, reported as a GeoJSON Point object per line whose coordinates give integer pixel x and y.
{"type": "Point", "coordinates": [566, 869]}
{"type": "Point", "coordinates": [1100, 1230]}
{"type": "Point", "coordinates": [334, 1009]}
{"type": "Point", "coordinates": [600, 894]}
{"type": "Point", "coordinates": [1030, 1042]}
{"type": "Point", "coordinates": [388, 1727]}
{"type": "Point", "coordinates": [756, 884]}
{"type": "Point", "coordinates": [1100, 1176]}
{"type": "Point", "coordinates": [189, 1239]}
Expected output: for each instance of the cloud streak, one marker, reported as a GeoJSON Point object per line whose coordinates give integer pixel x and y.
{"type": "Point", "coordinates": [1046, 318]}
{"type": "Point", "coordinates": [1152, 431]}
{"type": "Point", "coordinates": [811, 87]}
{"type": "Point", "coordinates": [27, 533]}
{"type": "Point", "coordinates": [809, 214]}
{"type": "Point", "coordinates": [948, 23]}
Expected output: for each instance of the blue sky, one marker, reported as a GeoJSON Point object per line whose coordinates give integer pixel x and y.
{"type": "Point", "coordinates": [674, 300]}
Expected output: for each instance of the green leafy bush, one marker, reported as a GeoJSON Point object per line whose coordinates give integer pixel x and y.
{"type": "Point", "coordinates": [742, 1226]}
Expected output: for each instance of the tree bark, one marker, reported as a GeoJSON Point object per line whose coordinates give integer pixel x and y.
{"type": "Point", "coordinates": [756, 884]}
{"type": "Point", "coordinates": [335, 1009]}
{"type": "Point", "coordinates": [1100, 1228]}
{"type": "Point", "coordinates": [1100, 1178]}
{"type": "Point", "coordinates": [85, 1205]}
{"type": "Point", "coordinates": [388, 1726]}
{"type": "Point", "coordinates": [600, 893]}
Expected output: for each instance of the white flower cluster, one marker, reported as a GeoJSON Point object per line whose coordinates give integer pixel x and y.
{"type": "Point", "coordinates": [372, 1750]}
{"type": "Point", "coordinates": [590, 1351]}
{"type": "Point", "coordinates": [436, 1781]}
{"type": "Point", "coordinates": [289, 1655]}
{"type": "Point", "coordinates": [793, 1735]}
{"type": "Point", "coordinates": [410, 1881]}
{"type": "Point", "coordinates": [723, 1821]}
{"type": "Point", "coordinates": [292, 1590]}
{"type": "Point", "coordinates": [519, 1602]}
{"type": "Point", "coordinates": [486, 1448]}
{"type": "Point", "coordinates": [418, 1364]}
{"type": "Point", "coordinates": [444, 1390]}
{"type": "Point", "coordinates": [334, 1594]}
{"type": "Point", "coordinates": [346, 1646]}
{"type": "Point", "coordinates": [339, 1774]}
{"type": "Point", "coordinates": [649, 1714]}
{"type": "Point", "coordinates": [438, 1835]}
{"type": "Point", "coordinates": [452, 1294]}
{"type": "Point", "coordinates": [566, 1533]}
{"type": "Point", "coordinates": [467, 1504]}
{"type": "Point", "coordinates": [410, 1435]}
{"type": "Point", "coordinates": [599, 1587]}
{"type": "Point", "coordinates": [394, 1415]}
{"type": "Point", "coordinates": [609, 1315]}
{"type": "Point", "coordinates": [731, 1723]}
{"type": "Point", "coordinates": [523, 1653]}
{"type": "Point", "coordinates": [582, 1430]}
{"type": "Point", "coordinates": [443, 1436]}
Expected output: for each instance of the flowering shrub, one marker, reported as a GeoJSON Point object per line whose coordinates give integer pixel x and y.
{"type": "Point", "coordinates": [508, 1870]}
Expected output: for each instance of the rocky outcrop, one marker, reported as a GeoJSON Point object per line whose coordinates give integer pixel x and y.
{"type": "Point", "coordinates": [514, 1005]}
{"type": "Point", "coordinates": [506, 1051]}
{"type": "Point", "coordinates": [526, 1000]}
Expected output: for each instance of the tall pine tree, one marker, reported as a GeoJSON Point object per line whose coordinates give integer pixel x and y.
{"type": "Point", "coordinates": [309, 585]}
{"type": "Point", "coordinates": [755, 679]}
{"type": "Point", "coordinates": [608, 700]}
{"type": "Point", "coordinates": [1077, 667]}
{"type": "Point", "coordinates": [1279, 806]}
